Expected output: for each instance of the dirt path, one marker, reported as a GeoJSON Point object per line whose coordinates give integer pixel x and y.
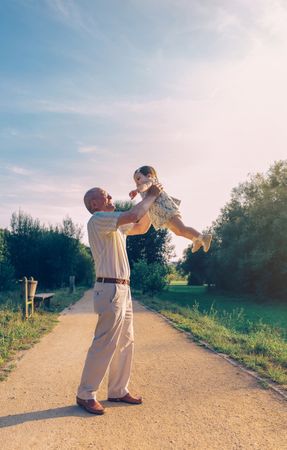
{"type": "Point", "coordinates": [193, 398]}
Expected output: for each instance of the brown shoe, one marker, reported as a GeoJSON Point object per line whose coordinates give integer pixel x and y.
{"type": "Point", "coordinates": [92, 406]}
{"type": "Point", "coordinates": [127, 399]}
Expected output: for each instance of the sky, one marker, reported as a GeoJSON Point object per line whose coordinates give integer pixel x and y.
{"type": "Point", "coordinates": [90, 90]}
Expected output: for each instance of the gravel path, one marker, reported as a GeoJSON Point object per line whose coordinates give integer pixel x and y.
{"type": "Point", "coordinates": [193, 399]}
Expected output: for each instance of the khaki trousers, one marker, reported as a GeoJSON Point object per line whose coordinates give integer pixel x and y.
{"type": "Point", "coordinates": [113, 343]}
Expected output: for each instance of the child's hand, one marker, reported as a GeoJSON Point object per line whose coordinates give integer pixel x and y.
{"type": "Point", "coordinates": [132, 194]}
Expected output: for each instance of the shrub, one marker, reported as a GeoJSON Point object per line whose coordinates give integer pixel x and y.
{"type": "Point", "coordinates": [149, 278]}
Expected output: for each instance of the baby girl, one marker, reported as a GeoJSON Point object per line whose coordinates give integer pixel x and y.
{"type": "Point", "coordinates": [164, 212]}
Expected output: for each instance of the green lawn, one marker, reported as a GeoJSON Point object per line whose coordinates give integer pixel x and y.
{"type": "Point", "coordinates": [252, 332]}
{"type": "Point", "coordinates": [269, 312]}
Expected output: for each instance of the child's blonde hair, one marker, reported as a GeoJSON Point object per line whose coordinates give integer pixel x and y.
{"type": "Point", "coordinates": [147, 170]}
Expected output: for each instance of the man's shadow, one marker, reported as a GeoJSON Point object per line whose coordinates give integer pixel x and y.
{"type": "Point", "coordinates": [65, 411]}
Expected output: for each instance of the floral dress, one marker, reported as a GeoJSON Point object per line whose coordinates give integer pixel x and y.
{"type": "Point", "coordinates": [163, 209]}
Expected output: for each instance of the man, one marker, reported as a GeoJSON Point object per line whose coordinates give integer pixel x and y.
{"type": "Point", "coordinates": [113, 342]}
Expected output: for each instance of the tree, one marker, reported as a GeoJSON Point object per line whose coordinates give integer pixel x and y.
{"type": "Point", "coordinates": [249, 250]}
{"type": "Point", "coordinates": [7, 275]}
{"type": "Point", "coordinates": [23, 244]}
{"type": "Point", "coordinates": [195, 265]}
{"type": "Point", "coordinates": [71, 230]}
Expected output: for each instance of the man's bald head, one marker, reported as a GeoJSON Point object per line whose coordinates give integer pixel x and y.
{"type": "Point", "coordinates": [89, 197]}
{"type": "Point", "coordinates": [96, 199]}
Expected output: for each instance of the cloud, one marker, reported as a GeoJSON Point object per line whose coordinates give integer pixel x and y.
{"type": "Point", "coordinates": [19, 170]}
{"type": "Point", "coordinates": [67, 11]}
{"type": "Point", "coordinates": [91, 149]}
{"type": "Point", "coordinates": [73, 15]}
{"type": "Point", "coordinates": [61, 7]}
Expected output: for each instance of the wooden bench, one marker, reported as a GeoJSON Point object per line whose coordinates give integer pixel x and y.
{"type": "Point", "coordinates": [44, 297]}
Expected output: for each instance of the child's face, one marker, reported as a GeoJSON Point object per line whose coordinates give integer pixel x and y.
{"type": "Point", "coordinates": [140, 178]}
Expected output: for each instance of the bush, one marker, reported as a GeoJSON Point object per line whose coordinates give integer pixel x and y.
{"type": "Point", "coordinates": [149, 278]}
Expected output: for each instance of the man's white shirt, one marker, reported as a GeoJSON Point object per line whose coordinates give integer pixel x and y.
{"type": "Point", "coordinates": [108, 245]}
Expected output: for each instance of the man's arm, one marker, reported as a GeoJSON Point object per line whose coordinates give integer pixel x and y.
{"type": "Point", "coordinates": [141, 227]}
{"type": "Point", "coordinates": [136, 213]}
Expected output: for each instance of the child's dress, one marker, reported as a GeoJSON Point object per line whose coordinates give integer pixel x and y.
{"type": "Point", "coordinates": [163, 209]}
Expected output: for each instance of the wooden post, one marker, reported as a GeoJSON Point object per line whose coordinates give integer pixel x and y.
{"type": "Point", "coordinates": [24, 288]}
{"type": "Point", "coordinates": [72, 284]}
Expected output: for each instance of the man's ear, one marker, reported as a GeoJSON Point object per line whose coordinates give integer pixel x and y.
{"type": "Point", "coordinates": [94, 205]}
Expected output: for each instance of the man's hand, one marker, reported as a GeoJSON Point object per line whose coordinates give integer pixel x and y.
{"type": "Point", "coordinates": [133, 194]}
{"type": "Point", "coordinates": [135, 214]}
{"type": "Point", "coordinates": [155, 190]}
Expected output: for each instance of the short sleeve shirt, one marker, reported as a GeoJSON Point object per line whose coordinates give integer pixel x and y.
{"type": "Point", "coordinates": [108, 245]}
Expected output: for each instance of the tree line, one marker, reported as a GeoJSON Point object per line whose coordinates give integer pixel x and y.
{"type": "Point", "coordinates": [249, 249]}
{"type": "Point", "coordinates": [49, 254]}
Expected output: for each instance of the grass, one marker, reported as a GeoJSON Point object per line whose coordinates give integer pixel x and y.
{"type": "Point", "coordinates": [250, 332]}
{"type": "Point", "coordinates": [269, 312]}
{"type": "Point", "coordinates": [18, 334]}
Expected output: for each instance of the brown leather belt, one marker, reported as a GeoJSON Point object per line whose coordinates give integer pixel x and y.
{"type": "Point", "coordinates": [112, 280]}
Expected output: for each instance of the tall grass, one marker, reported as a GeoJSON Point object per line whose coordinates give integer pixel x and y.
{"type": "Point", "coordinates": [18, 334]}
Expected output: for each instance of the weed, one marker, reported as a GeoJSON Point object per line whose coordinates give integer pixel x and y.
{"type": "Point", "coordinates": [263, 384]}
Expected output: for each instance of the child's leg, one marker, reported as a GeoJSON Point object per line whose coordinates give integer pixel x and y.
{"type": "Point", "coordinates": [177, 227]}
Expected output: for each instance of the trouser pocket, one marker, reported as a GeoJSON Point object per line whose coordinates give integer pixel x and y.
{"type": "Point", "coordinates": [104, 294]}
